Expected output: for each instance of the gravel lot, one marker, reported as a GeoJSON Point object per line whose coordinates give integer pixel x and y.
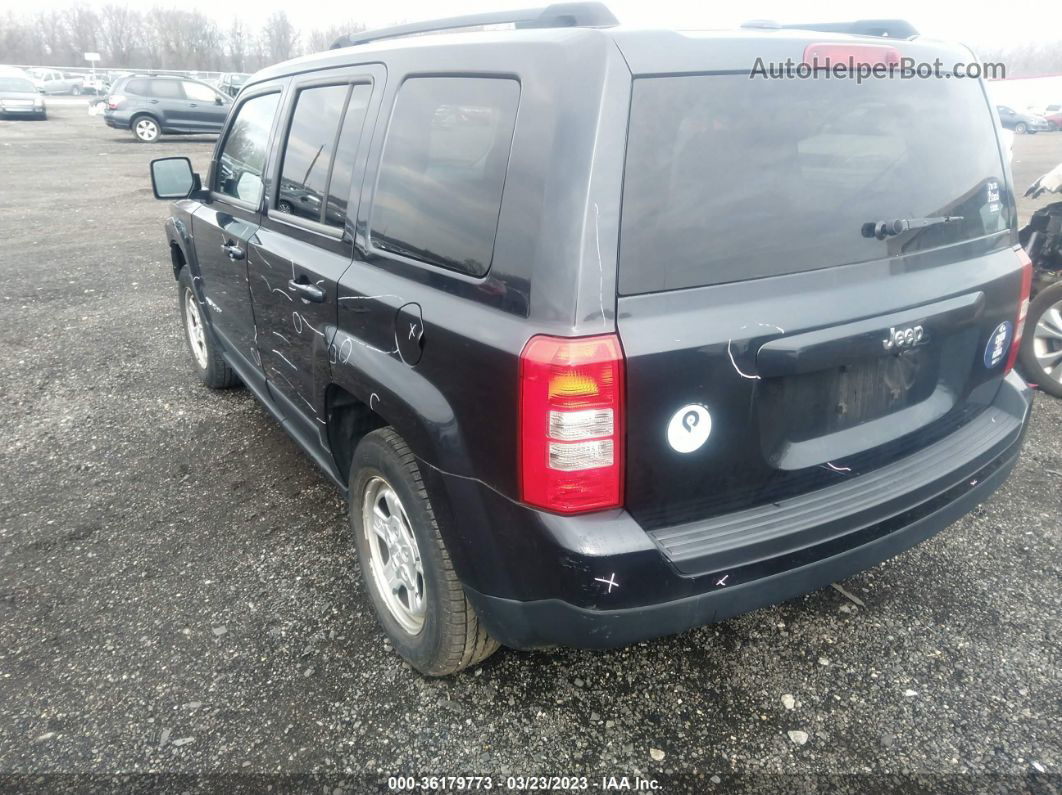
{"type": "Point", "coordinates": [178, 593]}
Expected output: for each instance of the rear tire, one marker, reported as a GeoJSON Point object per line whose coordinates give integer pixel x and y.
{"type": "Point", "coordinates": [207, 360]}
{"type": "Point", "coordinates": [145, 129]}
{"type": "Point", "coordinates": [387, 499]}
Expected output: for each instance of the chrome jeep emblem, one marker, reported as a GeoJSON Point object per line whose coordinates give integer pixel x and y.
{"type": "Point", "coordinates": [901, 339]}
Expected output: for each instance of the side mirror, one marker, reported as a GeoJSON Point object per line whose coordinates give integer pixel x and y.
{"type": "Point", "coordinates": [173, 178]}
{"type": "Point", "coordinates": [219, 101]}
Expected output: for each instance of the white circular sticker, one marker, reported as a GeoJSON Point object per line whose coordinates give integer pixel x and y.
{"type": "Point", "coordinates": [689, 428]}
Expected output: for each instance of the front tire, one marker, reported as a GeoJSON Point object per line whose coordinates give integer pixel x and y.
{"type": "Point", "coordinates": [1041, 343]}
{"type": "Point", "coordinates": [1020, 128]}
{"type": "Point", "coordinates": [146, 129]}
{"type": "Point", "coordinates": [207, 360]}
{"type": "Point", "coordinates": [405, 566]}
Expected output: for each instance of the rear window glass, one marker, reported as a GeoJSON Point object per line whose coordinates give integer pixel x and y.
{"type": "Point", "coordinates": [17, 84]}
{"type": "Point", "coordinates": [730, 178]}
{"type": "Point", "coordinates": [443, 169]}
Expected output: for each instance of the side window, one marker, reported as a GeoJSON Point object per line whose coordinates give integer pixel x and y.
{"type": "Point", "coordinates": [346, 151]}
{"type": "Point", "coordinates": [443, 169]}
{"type": "Point", "coordinates": [138, 87]}
{"type": "Point", "coordinates": [167, 89]}
{"type": "Point", "coordinates": [239, 169]}
{"type": "Point", "coordinates": [308, 151]}
{"type": "Point", "coordinates": [197, 92]}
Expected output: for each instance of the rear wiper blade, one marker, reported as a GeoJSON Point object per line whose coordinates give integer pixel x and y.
{"type": "Point", "coordinates": [884, 229]}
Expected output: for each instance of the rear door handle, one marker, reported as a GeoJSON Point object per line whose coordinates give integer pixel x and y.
{"type": "Point", "coordinates": [153, 101]}
{"type": "Point", "coordinates": [311, 292]}
{"type": "Point", "coordinates": [234, 251]}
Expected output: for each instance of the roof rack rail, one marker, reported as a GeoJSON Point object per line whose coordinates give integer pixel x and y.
{"type": "Point", "coordinates": [885, 28]}
{"type": "Point", "coordinates": [558, 15]}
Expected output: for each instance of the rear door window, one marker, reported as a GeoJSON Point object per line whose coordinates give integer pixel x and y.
{"type": "Point", "coordinates": [349, 139]}
{"type": "Point", "coordinates": [309, 149]}
{"type": "Point", "coordinates": [167, 89]}
{"type": "Point", "coordinates": [242, 160]}
{"type": "Point", "coordinates": [730, 178]}
{"type": "Point", "coordinates": [197, 92]}
{"type": "Point", "coordinates": [442, 172]}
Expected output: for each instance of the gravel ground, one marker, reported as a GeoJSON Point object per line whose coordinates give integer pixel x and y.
{"type": "Point", "coordinates": [178, 594]}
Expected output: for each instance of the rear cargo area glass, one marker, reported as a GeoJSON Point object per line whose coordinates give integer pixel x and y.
{"type": "Point", "coordinates": [729, 177]}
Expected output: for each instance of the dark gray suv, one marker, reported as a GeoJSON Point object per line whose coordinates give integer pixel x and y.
{"type": "Point", "coordinates": [151, 106]}
{"type": "Point", "coordinates": [601, 338]}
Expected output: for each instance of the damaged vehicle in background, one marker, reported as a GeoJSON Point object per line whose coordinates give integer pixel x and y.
{"type": "Point", "coordinates": [593, 394]}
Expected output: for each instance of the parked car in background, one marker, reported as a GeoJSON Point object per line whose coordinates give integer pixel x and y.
{"type": "Point", "coordinates": [52, 81]}
{"type": "Point", "coordinates": [151, 106]}
{"type": "Point", "coordinates": [594, 397]}
{"type": "Point", "coordinates": [1054, 118]}
{"type": "Point", "coordinates": [20, 97]}
{"type": "Point", "coordinates": [232, 82]}
{"type": "Point", "coordinates": [1021, 123]}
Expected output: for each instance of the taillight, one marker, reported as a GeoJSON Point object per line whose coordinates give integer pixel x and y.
{"type": "Point", "coordinates": [114, 100]}
{"type": "Point", "coordinates": [1023, 308]}
{"type": "Point", "coordinates": [571, 423]}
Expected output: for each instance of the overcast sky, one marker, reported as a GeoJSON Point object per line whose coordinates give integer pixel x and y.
{"type": "Point", "coordinates": [1003, 24]}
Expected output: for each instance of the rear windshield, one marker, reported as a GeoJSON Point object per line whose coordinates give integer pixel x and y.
{"type": "Point", "coordinates": [730, 177]}
{"type": "Point", "coordinates": [17, 84]}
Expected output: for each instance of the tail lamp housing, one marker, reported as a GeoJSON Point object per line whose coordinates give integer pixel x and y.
{"type": "Point", "coordinates": [1023, 308]}
{"type": "Point", "coordinates": [572, 423]}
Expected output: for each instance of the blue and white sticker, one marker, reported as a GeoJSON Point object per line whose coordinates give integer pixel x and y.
{"type": "Point", "coordinates": [998, 344]}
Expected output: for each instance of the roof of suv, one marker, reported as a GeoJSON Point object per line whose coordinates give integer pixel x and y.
{"type": "Point", "coordinates": [646, 51]}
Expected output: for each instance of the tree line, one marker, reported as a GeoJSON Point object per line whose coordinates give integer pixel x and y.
{"type": "Point", "coordinates": [158, 38]}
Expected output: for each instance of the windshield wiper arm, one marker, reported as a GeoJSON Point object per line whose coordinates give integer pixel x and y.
{"type": "Point", "coordinates": [884, 229]}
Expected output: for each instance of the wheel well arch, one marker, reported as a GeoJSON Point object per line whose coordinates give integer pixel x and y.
{"type": "Point", "coordinates": [177, 258]}
{"type": "Point", "coordinates": [349, 419]}
{"type": "Point", "coordinates": [141, 114]}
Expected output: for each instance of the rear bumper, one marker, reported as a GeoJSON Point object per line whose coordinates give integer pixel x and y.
{"type": "Point", "coordinates": [607, 587]}
{"type": "Point", "coordinates": [119, 121]}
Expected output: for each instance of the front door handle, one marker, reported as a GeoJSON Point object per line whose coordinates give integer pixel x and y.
{"type": "Point", "coordinates": [311, 292]}
{"type": "Point", "coordinates": [234, 251]}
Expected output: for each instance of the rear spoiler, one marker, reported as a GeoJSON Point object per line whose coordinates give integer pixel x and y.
{"type": "Point", "coordinates": [884, 28]}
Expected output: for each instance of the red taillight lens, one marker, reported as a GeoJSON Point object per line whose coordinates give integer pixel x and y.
{"type": "Point", "coordinates": [1023, 308]}
{"type": "Point", "coordinates": [114, 100]}
{"type": "Point", "coordinates": [572, 423]}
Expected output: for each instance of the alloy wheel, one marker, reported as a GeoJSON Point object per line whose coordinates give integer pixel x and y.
{"type": "Point", "coordinates": [1047, 341]}
{"type": "Point", "coordinates": [146, 130]}
{"type": "Point", "coordinates": [193, 324]}
{"type": "Point", "coordinates": [396, 567]}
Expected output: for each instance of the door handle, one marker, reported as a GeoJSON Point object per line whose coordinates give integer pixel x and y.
{"type": "Point", "coordinates": [311, 292]}
{"type": "Point", "coordinates": [153, 101]}
{"type": "Point", "coordinates": [234, 251]}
